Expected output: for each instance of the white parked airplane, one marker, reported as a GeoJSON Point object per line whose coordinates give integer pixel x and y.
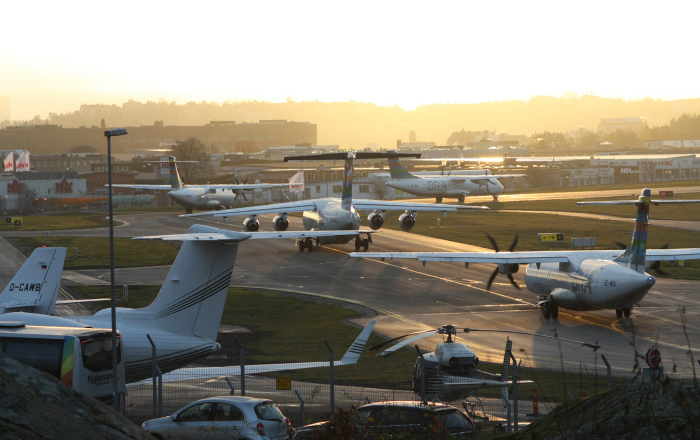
{"type": "Point", "coordinates": [337, 214]}
{"type": "Point", "coordinates": [577, 280]}
{"type": "Point", "coordinates": [207, 197]}
{"type": "Point", "coordinates": [457, 186]}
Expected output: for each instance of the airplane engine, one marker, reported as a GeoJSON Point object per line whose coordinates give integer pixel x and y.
{"type": "Point", "coordinates": [213, 204]}
{"type": "Point", "coordinates": [280, 223]}
{"type": "Point", "coordinates": [375, 220]}
{"type": "Point", "coordinates": [505, 269]}
{"type": "Point", "coordinates": [251, 224]}
{"type": "Point", "coordinates": [407, 221]}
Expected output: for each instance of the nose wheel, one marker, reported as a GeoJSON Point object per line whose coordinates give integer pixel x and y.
{"type": "Point", "coordinates": [188, 210]}
{"type": "Point", "coordinates": [627, 311]}
{"type": "Point", "coordinates": [550, 310]}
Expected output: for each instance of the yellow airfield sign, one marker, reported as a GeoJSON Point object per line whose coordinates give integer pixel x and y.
{"type": "Point", "coordinates": [284, 383]}
{"type": "Point", "coordinates": [550, 236]}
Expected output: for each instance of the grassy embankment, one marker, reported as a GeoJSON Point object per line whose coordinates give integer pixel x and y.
{"type": "Point", "coordinates": [57, 221]}
{"type": "Point", "coordinates": [289, 329]}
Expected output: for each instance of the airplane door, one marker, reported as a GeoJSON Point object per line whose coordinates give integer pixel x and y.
{"type": "Point", "coordinates": [193, 422]}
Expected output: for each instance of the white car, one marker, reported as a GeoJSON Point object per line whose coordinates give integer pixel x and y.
{"type": "Point", "coordinates": [224, 417]}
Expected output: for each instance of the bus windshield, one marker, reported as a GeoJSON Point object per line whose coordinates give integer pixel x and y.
{"type": "Point", "coordinates": [97, 352]}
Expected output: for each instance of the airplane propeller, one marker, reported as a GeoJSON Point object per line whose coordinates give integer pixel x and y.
{"type": "Point", "coordinates": [498, 268]}
{"type": "Point", "coordinates": [240, 191]}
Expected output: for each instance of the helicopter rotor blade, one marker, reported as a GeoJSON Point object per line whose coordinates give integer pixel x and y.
{"type": "Point", "coordinates": [382, 344]}
{"type": "Point", "coordinates": [389, 351]}
{"type": "Point", "coordinates": [594, 346]}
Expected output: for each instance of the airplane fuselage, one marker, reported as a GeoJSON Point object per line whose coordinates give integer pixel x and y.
{"type": "Point", "coordinates": [593, 284]}
{"type": "Point", "coordinates": [330, 216]}
{"type": "Point", "coordinates": [448, 186]}
{"type": "Point", "coordinates": [202, 198]}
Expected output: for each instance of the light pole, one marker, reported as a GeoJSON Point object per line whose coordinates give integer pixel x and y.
{"type": "Point", "coordinates": [115, 386]}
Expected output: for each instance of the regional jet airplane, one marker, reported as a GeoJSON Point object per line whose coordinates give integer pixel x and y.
{"type": "Point", "coordinates": [206, 197]}
{"type": "Point", "coordinates": [333, 214]}
{"type": "Point", "coordinates": [457, 186]}
{"type": "Point", "coordinates": [576, 280]}
{"type": "Point", "coordinates": [34, 288]}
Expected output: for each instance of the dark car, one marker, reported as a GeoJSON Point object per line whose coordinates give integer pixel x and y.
{"type": "Point", "coordinates": [396, 420]}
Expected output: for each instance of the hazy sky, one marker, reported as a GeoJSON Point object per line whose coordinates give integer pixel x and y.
{"type": "Point", "coordinates": [55, 56]}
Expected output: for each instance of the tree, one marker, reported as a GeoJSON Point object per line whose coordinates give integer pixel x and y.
{"type": "Point", "coordinates": [589, 139]}
{"type": "Point", "coordinates": [27, 199]}
{"type": "Point", "coordinates": [190, 150]}
{"type": "Point", "coordinates": [546, 139]}
{"type": "Point", "coordinates": [621, 137]}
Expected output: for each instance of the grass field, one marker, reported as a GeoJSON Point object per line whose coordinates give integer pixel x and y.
{"type": "Point", "coordinates": [93, 252]}
{"type": "Point", "coordinates": [290, 329]}
{"type": "Point", "coordinates": [58, 220]}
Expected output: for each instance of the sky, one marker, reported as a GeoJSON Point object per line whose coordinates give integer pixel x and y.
{"type": "Point", "coordinates": [56, 56]}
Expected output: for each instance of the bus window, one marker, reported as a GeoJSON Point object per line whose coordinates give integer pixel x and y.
{"type": "Point", "coordinates": [43, 355]}
{"type": "Point", "coordinates": [97, 352]}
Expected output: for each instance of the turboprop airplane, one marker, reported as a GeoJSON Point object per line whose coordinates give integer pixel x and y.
{"type": "Point", "coordinates": [457, 186]}
{"type": "Point", "coordinates": [206, 197]}
{"type": "Point", "coordinates": [337, 214]}
{"type": "Point", "coordinates": [451, 371]}
{"type": "Point", "coordinates": [576, 280]}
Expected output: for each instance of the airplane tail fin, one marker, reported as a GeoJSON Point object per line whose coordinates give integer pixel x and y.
{"type": "Point", "coordinates": [635, 254]}
{"type": "Point", "coordinates": [191, 301]}
{"type": "Point", "coordinates": [506, 360]}
{"type": "Point", "coordinates": [353, 354]}
{"type": "Point", "coordinates": [34, 288]}
{"type": "Point", "coordinates": [397, 170]}
{"type": "Point", "coordinates": [175, 181]}
{"type": "Point", "coordinates": [346, 198]}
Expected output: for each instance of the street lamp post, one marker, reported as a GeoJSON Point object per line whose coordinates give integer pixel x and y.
{"type": "Point", "coordinates": [115, 386]}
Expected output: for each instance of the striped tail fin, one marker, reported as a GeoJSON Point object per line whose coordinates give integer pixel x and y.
{"type": "Point", "coordinates": [397, 170]}
{"type": "Point", "coordinates": [346, 198]}
{"type": "Point", "coordinates": [635, 254]}
{"type": "Point", "coordinates": [175, 181]}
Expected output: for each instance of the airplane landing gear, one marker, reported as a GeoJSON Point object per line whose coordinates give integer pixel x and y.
{"type": "Point", "coordinates": [550, 310]}
{"type": "Point", "coordinates": [188, 210]}
{"type": "Point", "coordinates": [306, 244]}
{"type": "Point", "coordinates": [460, 199]}
{"type": "Point", "coordinates": [361, 243]}
{"type": "Point", "coordinates": [495, 197]}
{"type": "Point", "coordinates": [438, 199]}
{"type": "Point", "coordinates": [627, 311]}
{"type": "Point", "coordinates": [618, 313]}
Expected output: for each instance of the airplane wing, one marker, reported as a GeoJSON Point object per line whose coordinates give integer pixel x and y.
{"type": "Point", "coordinates": [304, 234]}
{"type": "Point", "coordinates": [350, 358]}
{"type": "Point", "coordinates": [245, 186]}
{"type": "Point", "coordinates": [274, 208]}
{"type": "Point", "coordinates": [386, 205]}
{"type": "Point", "coordinates": [672, 254]}
{"type": "Point", "coordinates": [124, 185]}
{"type": "Point", "coordinates": [201, 233]}
{"type": "Point", "coordinates": [81, 301]}
{"type": "Point", "coordinates": [493, 257]}
{"type": "Point", "coordinates": [634, 202]}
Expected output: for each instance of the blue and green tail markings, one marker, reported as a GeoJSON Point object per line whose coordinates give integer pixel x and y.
{"type": "Point", "coordinates": [346, 198]}
{"type": "Point", "coordinates": [397, 170]}
{"type": "Point", "coordinates": [175, 181]}
{"type": "Point", "coordinates": [636, 251]}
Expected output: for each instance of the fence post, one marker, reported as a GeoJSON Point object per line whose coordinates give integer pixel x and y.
{"type": "Point", "coordinates": [607, 365]}
{"type": "Point", "coordinates": [233, 391]}
{"type": "Point", "coordinates": [422, 375]}
{"type": "Point", "coordinates": [154, 367]}
{"type": "Point", "coordinates": [301, 407]}
{"type": "Point", "coordinates": [332, 377]}
{"type": "Point", "coordinates": [515, 389]}
{"type": "Point", "coordinates": [125, 292]}
{"type": "Point", "coordinates": [160, 391]}
{"type": "Point", "coordinates": [242, 355]}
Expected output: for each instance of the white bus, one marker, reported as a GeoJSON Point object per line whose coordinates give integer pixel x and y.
{"type": "Point", "coordinates": [80, 358]}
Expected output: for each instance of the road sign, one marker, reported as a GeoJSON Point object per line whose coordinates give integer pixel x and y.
{"type": "Point", "coordinates": [550, 236]}
{"type": "Point", "coordinates": [284, 383]}
{"type": "Point", "coordinates": [665, 193]}
{"type": "Point", "coordinates": [17, 221]}
{"type": "Point", "coordinates": [653, 357]}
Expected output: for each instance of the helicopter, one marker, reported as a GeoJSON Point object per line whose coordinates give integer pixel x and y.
{"type": "Point", "coordinates": [451, 370]}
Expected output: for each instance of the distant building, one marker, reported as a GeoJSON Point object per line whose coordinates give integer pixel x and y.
{"type": "Point", "coordinates": [4, 108]}
{"type": "Point", "coordinates": [611, 125]}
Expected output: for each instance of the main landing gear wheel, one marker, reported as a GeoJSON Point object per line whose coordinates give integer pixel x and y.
{"type": "Point", "coordinates": [309, 244]}
{"type": "Point", "coordinates": [460, 199]}
{"type": "Point", "coordinates": [358, 243]}
{"type": "Point", "coordinates": [365, 243]}
{"type": "Point", "coordinates": [438, 199]}
{"type": "Point", "coordinates": [546, 310]}
{"type": "Point", "coordinates": [495, 198]}
{"type": "Point", "coordinates": [555, 311]}
{"type": "Point", "coordinates": [618, 312]}
{"type": "Point", "coordinates": [188, 210]}
{"type": "Point", "coordinates": [301, 245]}
{"type": "Point", "coordinates": [627, 311]}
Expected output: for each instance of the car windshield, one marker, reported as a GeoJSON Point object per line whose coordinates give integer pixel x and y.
{"type": "Point", "coordinates": [268, 411]}
{"type": "Point", "coordinates": [454, 421]}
